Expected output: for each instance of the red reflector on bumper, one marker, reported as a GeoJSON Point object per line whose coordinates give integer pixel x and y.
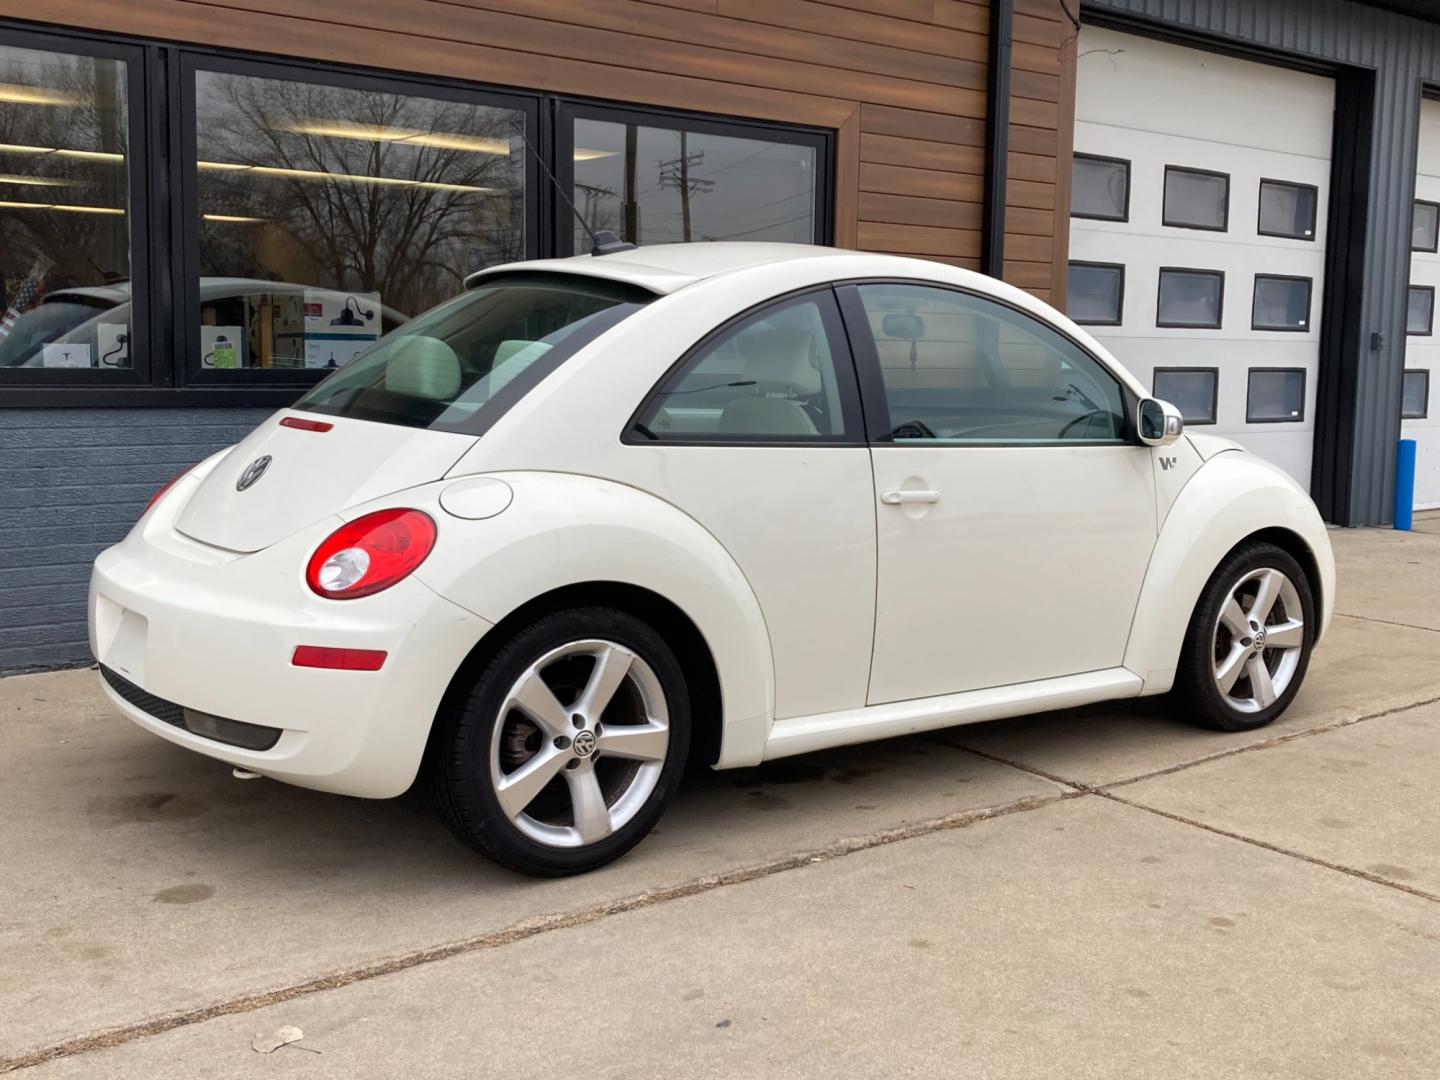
{"type": "Point", "coordinates": [338, 659]}
{"type": "Point", "coordinates": [306, 425]}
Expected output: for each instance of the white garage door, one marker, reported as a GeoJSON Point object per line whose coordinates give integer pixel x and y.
{"type": "Point", "coordinates": [1199, 199]}
{"type": "Point", "coordinates": [1420, 409]}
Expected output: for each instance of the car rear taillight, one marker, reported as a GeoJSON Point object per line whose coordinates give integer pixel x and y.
{"type": "Point", "coordinates": [166, 487]}
{"type": "Point", "coordinates": [371, 553]}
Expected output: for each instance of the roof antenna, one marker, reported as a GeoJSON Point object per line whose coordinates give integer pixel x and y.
{"type": "Point", "coordinates": [604, 242]}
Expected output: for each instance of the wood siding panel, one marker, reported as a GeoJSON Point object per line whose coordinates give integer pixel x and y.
{"type": "Point", "coordinates": [921, 154]}
{"type": "Point", "coordinates": [937, 127]}
{"type": "Point", "coordinates": [925, 183]}
{"type": "Point", "coordinates": [830, 21]}
{"type": "Point", "coordinates": [1042, 104]}
{"type": "Point", "coordinates": [901, 83]}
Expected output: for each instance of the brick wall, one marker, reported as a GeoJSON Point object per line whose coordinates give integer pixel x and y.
{"type": "Point", "coordinates": [72, 482]}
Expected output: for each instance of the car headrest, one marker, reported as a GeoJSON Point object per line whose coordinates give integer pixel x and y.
{"type": "Point", "coordinates": [778, 360]}
{"type": "Point", "coordinates": [423, 367]}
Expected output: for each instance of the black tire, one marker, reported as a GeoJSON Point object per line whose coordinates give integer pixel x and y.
{"type": "Point", "coordinates": [1196, 696]}
{"type": "Point", "coordinates": [460, 763]}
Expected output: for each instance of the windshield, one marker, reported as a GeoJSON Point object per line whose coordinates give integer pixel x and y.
{"type": "Point", "coordinates": [461, 365]}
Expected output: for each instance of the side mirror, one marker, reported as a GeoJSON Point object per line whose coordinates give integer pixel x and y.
{"type": "Point", "coordinates": [1158, 422]}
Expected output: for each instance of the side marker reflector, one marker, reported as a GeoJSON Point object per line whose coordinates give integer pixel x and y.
{"type": "Point", "coordinates": [319, 656]}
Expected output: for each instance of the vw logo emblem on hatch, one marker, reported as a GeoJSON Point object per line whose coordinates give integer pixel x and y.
{"type": "Point", "coordinates": [253, 472]}
{"type": "Point", "coordinates": [584, 744]}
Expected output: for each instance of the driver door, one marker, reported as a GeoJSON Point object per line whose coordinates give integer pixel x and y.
{"type": "Point", "coordinates": [1016, 513]}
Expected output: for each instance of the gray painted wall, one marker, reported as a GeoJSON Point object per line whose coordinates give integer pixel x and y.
{"type": "Point", "coordinates": [72, 482]}
{"type": "Point", "coordinates": [1404, 53]}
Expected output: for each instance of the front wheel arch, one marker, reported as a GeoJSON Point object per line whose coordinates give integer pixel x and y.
{"type": "Point", "coordinates": [1232, 499]}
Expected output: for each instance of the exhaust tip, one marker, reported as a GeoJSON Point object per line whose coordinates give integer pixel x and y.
{"type": "Point", "coordinates": [244, 774]}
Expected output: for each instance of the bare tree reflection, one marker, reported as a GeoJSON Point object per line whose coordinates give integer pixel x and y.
{"type": "Point", "coordinates": [459, 208]}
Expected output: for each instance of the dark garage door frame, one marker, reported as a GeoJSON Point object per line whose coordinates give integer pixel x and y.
{"type": "Point", "coordinates": [1382, 63]}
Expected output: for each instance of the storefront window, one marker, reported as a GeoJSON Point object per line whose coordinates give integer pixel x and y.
{"type": "Point", "coordinates": [330, 215]}
{"type": "Point", "coordinates": [64, 212]}
{"type": "Point", "coordinates": [661, 185]}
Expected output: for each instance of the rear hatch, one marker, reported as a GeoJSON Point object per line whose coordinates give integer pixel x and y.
{"type": "Point", "coordinates": [311, 475]}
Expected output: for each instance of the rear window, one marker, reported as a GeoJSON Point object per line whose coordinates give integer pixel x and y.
{"type": "Point", "coordinates": [461, 365]}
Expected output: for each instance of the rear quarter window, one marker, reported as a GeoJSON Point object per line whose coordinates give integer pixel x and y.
{"type": "Point", "coordinates": [461, 365]}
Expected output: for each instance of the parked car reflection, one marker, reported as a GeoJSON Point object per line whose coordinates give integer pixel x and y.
{"type": "Point", "coordinates": [271, 324]}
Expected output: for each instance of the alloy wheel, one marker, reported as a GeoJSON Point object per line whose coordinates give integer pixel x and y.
{"type": "Point", "coordinates": [1259, 636]}
{"type": "Point", "coordinates": [580, 743]}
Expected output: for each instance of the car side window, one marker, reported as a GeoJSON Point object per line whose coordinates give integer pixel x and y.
{"type": "Point", "coordinates": [957, 368]}
{"type": "Point", "coordinates": [780, 374]}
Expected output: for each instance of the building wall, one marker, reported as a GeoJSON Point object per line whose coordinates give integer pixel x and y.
{"type": "Point", "coordinates": [72, 482]}
{"type": "Point", "coordinates": [1382, 62]}
{"type": "Point", "coordinates": [901, 82]}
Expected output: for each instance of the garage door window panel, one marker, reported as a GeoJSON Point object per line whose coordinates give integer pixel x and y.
{"type": "Point", "coordinates": [953, 368]}
{"type": "Point", "coordinates": [1420, 310]}
{"type": "Point", "coordinates": [1287, 209]}
{"type": "Point", "coordinates": [1415, 395]}
{"type": "Point", "coordinates": [1194, 391]}
{"type": "Point", "coordinates": [1095, 295]}
{"type": "Point", "coordinates": [779, 375]}
{"type": "Point", "coordinates": [1100, 188]}
{"type": "Point", "coordinates": [1275, 396]}
{"type": "Point", "coordinates": [1190, 299]}
{"type": "Point", "coordinates": [1281, 303]}
{"type": "Point", "coordinates": [1425, 227]}
{"type": "Point", "coordinates": [1196, 199]}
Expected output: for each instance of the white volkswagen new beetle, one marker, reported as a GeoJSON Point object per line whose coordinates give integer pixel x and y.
{"type": "Point", "coordinates": [598, 516]}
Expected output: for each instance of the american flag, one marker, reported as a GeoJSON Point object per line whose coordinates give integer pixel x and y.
{"type": "Point", "coordinates": [24, 297]}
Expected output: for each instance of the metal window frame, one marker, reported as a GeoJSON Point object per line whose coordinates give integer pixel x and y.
{"type": "Point", "coordinates": [842, 362]}
{"type": "Point", "coordinates": [1224, 225]}
{"type": "Point", "coordinates": [188, 302]}
{"type": "Point", "coordinates": [146, 245]}
{"type": "Point", "coordinates": [1119, 299]}
{"type": "Point", "coordinates": [1309, 303]}
{"type": "Point", "coordinates": [1435, 244]}
{"type": "Point", "coordinates": [566, 110]}
{"type": "Point", "coordinates": [1424, 413]}
{"type": "Point", "coordinates": [1429, 330]}
{"type": "Point", "coordinates": [875, 403]}
{"type": "Point", "coordinates": [1219, 307]}
{"type": "Point", "coordinates": [1129, 172]}
{"type": "Point", "coordinates": [1312, 236]}
{"type": "Point", "coordinates": [1249, 376]}
{"type": "Point", "coordinates": [160, 133]}
{"type": "Point", "coordinates": [1214, 390]}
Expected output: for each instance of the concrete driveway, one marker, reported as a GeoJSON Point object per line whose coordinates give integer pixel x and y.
{"type": "Point", "coordinates": [1103, 892]}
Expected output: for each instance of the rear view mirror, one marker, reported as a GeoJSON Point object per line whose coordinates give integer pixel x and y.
{"type": "Point", "coordinates": [1158, 422]}
{"type": "Point", "coordinates": [904, 326]}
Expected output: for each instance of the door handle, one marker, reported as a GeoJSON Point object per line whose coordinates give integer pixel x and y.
{"type": "Point", "coordinates": [901, 497]}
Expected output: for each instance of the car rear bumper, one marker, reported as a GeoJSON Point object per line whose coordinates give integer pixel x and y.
{"type": "Point", "coordinates": [199, 628]}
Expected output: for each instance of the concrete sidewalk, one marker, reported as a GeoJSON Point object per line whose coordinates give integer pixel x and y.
{"type": "Point", "coordinates": [964, 903]}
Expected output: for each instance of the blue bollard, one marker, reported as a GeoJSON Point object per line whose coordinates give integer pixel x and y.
{"type": "Point", "coordinates": [1405, 484]}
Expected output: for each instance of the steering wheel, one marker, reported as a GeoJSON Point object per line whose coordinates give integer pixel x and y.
{"type": "Point", "coordinates": [913, 429]}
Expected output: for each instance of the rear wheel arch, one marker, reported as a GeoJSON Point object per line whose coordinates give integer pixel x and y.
{"type": "Point", "coordinates": [664, 616]}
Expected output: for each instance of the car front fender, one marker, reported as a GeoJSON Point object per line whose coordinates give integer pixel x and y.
{"type": "Point", "coordinates": [562, 530]}
{"type": "Point", "coordinates": [1232, 496]}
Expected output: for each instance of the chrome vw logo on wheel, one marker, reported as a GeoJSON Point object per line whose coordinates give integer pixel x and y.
{"type": "Point", "coordinates": [253, 472]}
{"type": "Point", "coordinates": [584, 744]}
